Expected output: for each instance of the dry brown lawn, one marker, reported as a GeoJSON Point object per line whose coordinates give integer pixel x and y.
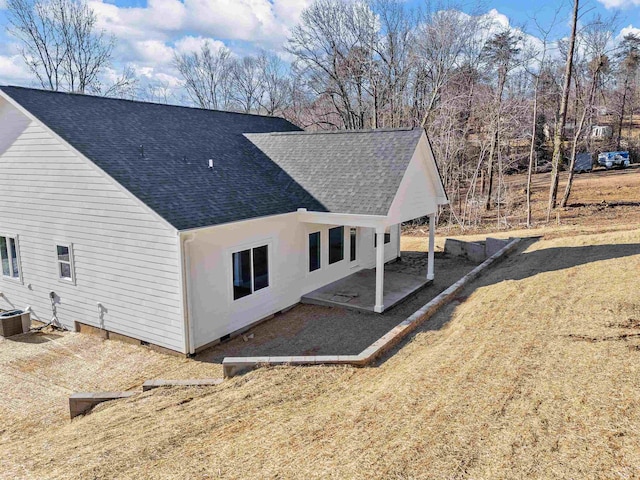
{"type": "Point", "coordinates": [601, 199]}
{"type": "Point", "coordinates": [533, 372]}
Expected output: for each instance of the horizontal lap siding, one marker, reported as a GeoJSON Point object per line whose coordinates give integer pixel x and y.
{"type": "Point", "coordinates": [125, 257]}
{"type": "Point", "coordinates": [215, 313]}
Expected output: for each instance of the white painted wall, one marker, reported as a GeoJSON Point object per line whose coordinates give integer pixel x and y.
{"type": "Point", "coordinates": [420, 190]}
{"type": "Point", "coordinates": [125, 257]}
{"type": "Point", "coordinates": [214, 312]}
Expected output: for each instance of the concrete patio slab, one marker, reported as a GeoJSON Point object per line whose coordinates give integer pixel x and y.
{"type": "Point", "coordinates": [358, 291]}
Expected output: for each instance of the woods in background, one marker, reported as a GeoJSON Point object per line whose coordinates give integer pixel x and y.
{"type": "Point", "coordinates": [494, 99]}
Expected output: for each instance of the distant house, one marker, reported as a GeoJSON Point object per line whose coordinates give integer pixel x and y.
{"type": "Point", "coordinates": [178, 226]}
{"type": "Point", "coordinates": [601, 131]}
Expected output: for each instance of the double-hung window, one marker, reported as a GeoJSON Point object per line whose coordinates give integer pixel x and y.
{"type": "Point", "coordinates": [64, 257]}
{"type": "Point", "coordinates": [9, 257]}
{"type": "Point", "coordinates": [250, 271]}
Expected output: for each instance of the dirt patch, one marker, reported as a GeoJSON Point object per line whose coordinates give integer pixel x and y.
{"type": "Point", "coordinates": [320, 330]}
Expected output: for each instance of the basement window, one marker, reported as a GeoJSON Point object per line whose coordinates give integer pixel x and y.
{"type": "Point", "coordinates": [250, 271]}
{"type": "Point", "coordinates": [64, 257]}
{"type": "Point", "coordinates": [336, 244]}
{"type": "Point", "coordinates": [9, 257]}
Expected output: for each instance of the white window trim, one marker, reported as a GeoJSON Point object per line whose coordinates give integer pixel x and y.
{"type": "Point", "coordinates": [16, 238]}
{"type": "Point", "coordinates": [249, 246]}
{"type": "Point", "coordinates": [69, 245]}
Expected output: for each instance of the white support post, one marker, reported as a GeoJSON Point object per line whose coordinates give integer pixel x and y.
{"type": "Point", "coordinates": [379, 306]}
{"type": "Point", "coordinates": [432, 241]}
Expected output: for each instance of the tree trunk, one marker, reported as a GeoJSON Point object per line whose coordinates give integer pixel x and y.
{"type": "Point", "coordinates": [532, 150]}
{"type": "Point", "coordinates": [562, 114]}
{"type": "Point", "coordinates": [590, 99]}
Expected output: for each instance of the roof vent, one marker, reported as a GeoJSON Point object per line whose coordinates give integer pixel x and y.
{"type": "Point", "coordinates": [211, 163]}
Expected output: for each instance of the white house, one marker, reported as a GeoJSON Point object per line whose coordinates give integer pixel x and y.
{"type": "Point", "coordinates": [179, 226]}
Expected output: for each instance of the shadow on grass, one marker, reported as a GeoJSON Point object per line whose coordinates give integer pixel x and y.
{"type": "Point", "coordinates": [314, 330]}
{"type": "Point", "coordinates": [519, 266]}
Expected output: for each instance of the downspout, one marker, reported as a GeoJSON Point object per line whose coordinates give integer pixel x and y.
{"type": "Point", "coordinates": [185, 256]}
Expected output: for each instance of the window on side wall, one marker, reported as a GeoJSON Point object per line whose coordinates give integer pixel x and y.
{"type": "Point", "coordinates": [64, 256]}
{"type": "Point", "coordinates": [387, 239]}
{"type": "Point", "coordinates": [9, 257]}
{"type": "Point", "coordinates": [250, 271]}
{"type": "Point", "coordinates": [353, 236]}
{"type": "Point", "coordinates": [336, 244]}
{"type": "Point", "coordinates": [314, 251]}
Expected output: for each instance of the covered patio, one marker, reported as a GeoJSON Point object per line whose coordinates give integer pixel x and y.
{"type": "Point", "coordinates": [370, 290]}
{"type": "Point", "coordinates": [358, 290]}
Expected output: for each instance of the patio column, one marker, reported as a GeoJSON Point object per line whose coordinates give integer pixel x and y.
{"type": "Point", "coordinates": [379, 306]}
{"type": "Point", "coordinates": [432, 238]}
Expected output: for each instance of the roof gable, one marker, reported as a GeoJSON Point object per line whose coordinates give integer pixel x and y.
{"type": "Point", "coordinates": [354, 172]}
{"type": "Point", "coordinates": [421, 189]}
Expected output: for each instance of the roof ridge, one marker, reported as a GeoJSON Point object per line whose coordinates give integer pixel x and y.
{"type": "Point", "coordinates": [144, 102]}
{"type": "Point", "coordinates": [336, 132]}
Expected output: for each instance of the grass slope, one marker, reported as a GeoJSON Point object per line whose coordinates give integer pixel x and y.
{"type": "Point", "coordinates": [534, 372]}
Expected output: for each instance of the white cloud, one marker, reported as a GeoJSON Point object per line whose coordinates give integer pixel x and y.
{"type": "Point", "coordinates": [3, 4]}
{"type": "Point", "coordinates": [152, 51]}
{"type": "Point", "coordinates": [620, 3]}
{"type": "Point", "coordinates": [191, 44]}
{"type": "Point", "coordinates": [628, 30]}
{"type": "Point", "coordinates": [13, 71]}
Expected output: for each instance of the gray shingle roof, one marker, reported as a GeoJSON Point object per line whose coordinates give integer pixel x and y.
{"type": "Point", "coordinates": [355, 172]}
{"type": "Point", "coordinates": [173, 177]}
{"type": "Point", "coordinates": [254, 175]}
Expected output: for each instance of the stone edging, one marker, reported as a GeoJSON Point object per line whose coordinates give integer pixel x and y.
{"type": "Point", "coordinates": [233, 366]}
{"type": "Point", "coordinates": [82, 403]}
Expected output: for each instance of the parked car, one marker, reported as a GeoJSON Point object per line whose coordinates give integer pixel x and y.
{"type": "Point", "coordinates": [614, 159]}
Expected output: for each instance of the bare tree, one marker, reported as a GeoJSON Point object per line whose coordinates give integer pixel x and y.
{"type": "Point", "coordinates": [60, 43]}
{"type": "Point", "coordinates": [276, 86]}
{"type": "Point", "coordinates": [501, 52]}
{"type": "Point", "coordinates": [442, 43]}
{"type": "Point", "coordinates": [207, 76]}
{"type": "Point", "coordinates": [332, 50]}
{"type": "Point", "coordinates": [247, 86]}
{"type": "Point", "coordinates": [596, 38]}
{"type": "Point", "coordinates": [562, 114]}
{"type": "Point", "coordinates": [629, 58]}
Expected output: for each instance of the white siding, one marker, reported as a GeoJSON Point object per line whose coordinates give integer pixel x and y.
{"type": "Point", "coordinates": [215, 313]}
{"type": "Point", "coordinates": [420, 191]}
{"type": "Point", "coordinates": [125, 257]}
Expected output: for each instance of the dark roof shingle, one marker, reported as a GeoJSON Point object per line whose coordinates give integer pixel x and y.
{"type": "Point", "coordinates": [172, 177]}
{"type": "Point", "coordinates": [160, 154]}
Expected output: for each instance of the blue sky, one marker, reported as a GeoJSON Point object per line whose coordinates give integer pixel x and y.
{"type": "Point", "coordinates": [149, 32]}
